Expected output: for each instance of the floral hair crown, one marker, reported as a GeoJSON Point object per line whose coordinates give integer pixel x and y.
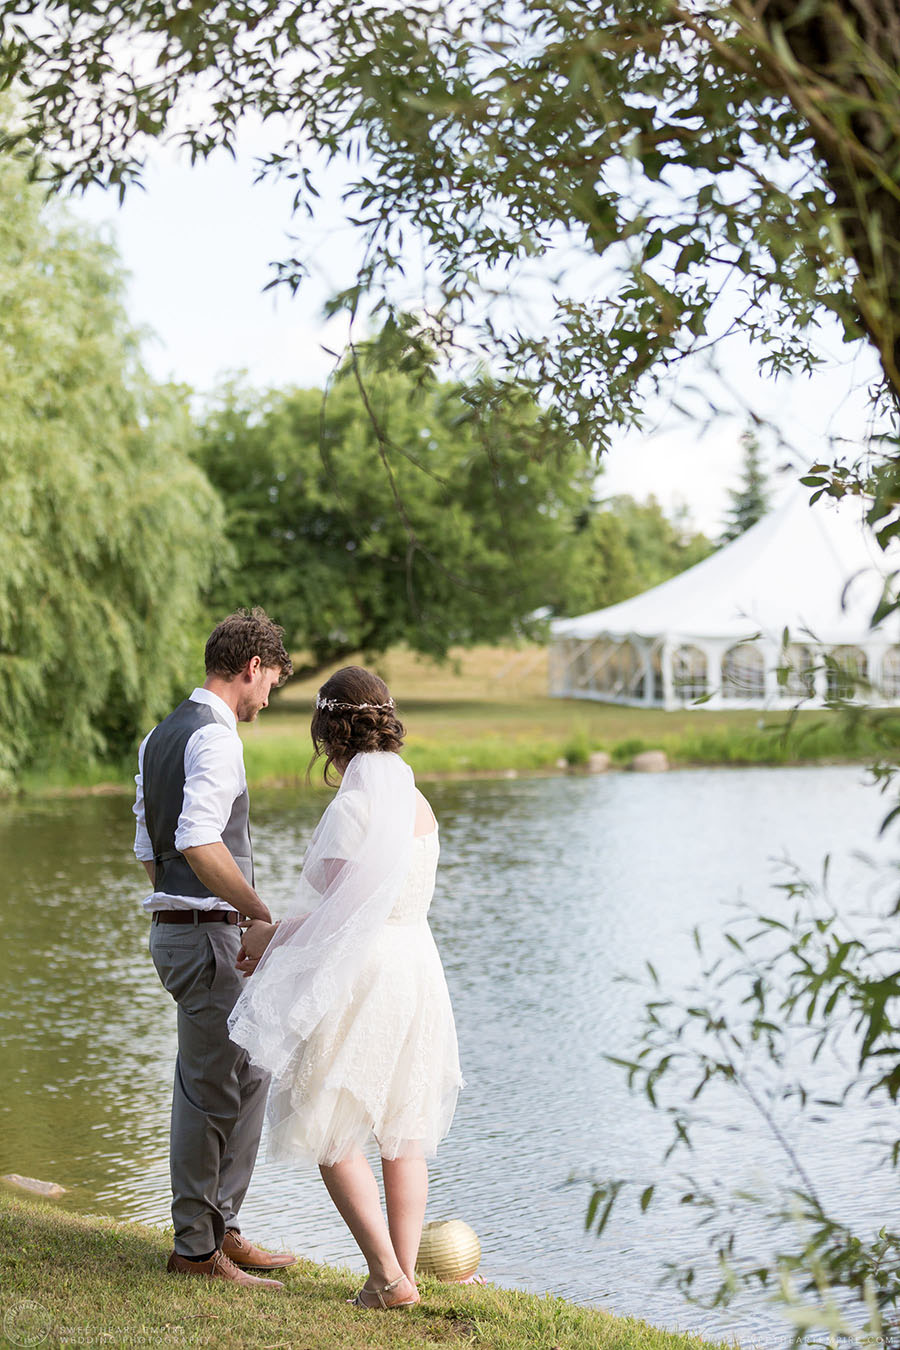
{"type": "Point", "coordinates": [330, 704]}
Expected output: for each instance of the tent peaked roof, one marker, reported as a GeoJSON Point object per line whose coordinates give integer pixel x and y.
{"type": "Point", "coordinates": [817, 571]}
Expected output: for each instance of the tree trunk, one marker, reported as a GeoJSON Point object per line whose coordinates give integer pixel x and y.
{"type": "Point", "coordinates": [848, 52]}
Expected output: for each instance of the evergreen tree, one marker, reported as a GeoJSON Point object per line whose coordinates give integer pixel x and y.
{"type": "Point", "coordinates": [751, 501]}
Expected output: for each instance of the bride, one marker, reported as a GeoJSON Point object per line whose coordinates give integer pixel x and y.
{"type": "Point", "coordinates": [348, 1006]}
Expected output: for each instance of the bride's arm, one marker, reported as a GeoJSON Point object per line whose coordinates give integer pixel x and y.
{"type": "Point", "coordinates": [316, 879]}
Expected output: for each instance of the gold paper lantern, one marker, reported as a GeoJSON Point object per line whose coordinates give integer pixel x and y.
{"type": "Point", "coordinates": [449, 1250]}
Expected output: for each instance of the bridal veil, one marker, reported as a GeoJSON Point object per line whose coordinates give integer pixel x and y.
{"type": "Point", "coordinates": [356, 863]}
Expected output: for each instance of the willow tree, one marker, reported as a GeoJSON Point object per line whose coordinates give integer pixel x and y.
{"type": "Point", "coordinates": [107, 530]}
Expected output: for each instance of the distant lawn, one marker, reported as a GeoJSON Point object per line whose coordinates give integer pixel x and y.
{"type": "Point", "coordinates": [487, 711]}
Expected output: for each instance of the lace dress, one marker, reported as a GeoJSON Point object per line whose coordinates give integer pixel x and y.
{"type": "Point", "coordinates": [385, 1062]}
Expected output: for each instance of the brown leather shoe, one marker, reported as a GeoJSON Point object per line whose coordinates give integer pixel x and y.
{"type": "Point", "coordinates": [248, 1257]}
{"type": "Point", "coordinates": [218, 1267]}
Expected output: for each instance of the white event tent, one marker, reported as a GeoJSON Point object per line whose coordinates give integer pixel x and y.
{"type": "Point", "coordinates": [717, 631]}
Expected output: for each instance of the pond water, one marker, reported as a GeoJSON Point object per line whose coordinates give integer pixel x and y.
{"type": "Point", "coordinates": [547, 889]}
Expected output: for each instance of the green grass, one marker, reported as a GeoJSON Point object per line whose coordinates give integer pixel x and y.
{"type": "Point", "coordinates": [70, 779]}
{"type": "Point", "coordinates": [85, 1280]}
{"type": "Point", "coordinates": [487, 712]}
{"type": "Point", "coordinates": [439, 744]}
{"type": "Point", "coordinates": [282, 759]}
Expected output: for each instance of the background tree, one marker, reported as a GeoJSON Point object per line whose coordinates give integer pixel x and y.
{"type": "Point", "coordinates": [633, 546]}
{"type": "Point", "coordinates": [399, 510]}
{"type": "Point", "coordinates": [107, 531]}
{"type": "Point", "coordinates": [751, 501]}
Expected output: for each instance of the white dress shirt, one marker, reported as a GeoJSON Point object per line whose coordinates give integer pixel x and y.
{"type": "Point", "coordinates": [213, 779]}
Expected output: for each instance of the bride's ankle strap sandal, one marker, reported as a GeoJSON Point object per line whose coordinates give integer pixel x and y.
{"type": "Point", "coordinates": [359, 1301]}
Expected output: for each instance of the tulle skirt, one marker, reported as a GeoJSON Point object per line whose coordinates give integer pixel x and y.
{"type": "Point", "coordinates": [384, 1063]}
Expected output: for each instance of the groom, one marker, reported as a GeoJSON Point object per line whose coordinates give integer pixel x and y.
{"type": "Point", "coordinates": [193, 838]}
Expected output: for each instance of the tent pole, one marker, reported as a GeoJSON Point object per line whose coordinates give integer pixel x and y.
{"type": "Point", "coordinates": [772, 693]}
{"type": "Point", "coordinates": [668, 698]}
{"type": "Point", "coordinates": [647, 659]}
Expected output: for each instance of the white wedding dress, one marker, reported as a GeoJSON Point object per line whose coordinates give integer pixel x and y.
{"type": "Point", "coordinates": [384, 1060]}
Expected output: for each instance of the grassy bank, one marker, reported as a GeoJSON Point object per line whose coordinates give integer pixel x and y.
{"type": "Point", "coordinates": [67, 1279]}
{"type": "Point", "coordinates": [488, 712]}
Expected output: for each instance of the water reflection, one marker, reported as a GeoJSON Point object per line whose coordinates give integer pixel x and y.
{"type": "Point", "coordinates": [547, 888]}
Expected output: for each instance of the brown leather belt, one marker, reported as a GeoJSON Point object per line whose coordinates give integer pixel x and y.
{"type": "Point", "coordinates": [196, 916]}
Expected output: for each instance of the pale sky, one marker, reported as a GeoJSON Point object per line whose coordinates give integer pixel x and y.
{"type": "Point", "coordinates": [197, 244]}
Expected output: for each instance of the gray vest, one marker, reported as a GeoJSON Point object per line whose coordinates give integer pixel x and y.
{"type": "Point", "coordinates": [163, 780]}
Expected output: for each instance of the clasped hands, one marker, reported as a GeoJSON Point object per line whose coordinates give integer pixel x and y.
{"type": "Point", "coordinates": [255, 938]}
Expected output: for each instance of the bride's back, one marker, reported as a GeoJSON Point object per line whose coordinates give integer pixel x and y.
{"type": "Point", "coordinates": [414, 900]}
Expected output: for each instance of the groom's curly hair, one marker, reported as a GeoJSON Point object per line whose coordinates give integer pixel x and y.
{"type": "Point", "coordinates": [244, 634]}
{"type": "Point", "coordinates": [339, 732]}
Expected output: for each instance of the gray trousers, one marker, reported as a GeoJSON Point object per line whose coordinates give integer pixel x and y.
{"type": "Point", "coordinates": [219, 1097]}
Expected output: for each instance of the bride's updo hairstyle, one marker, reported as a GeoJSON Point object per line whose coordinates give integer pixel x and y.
{"type": "Point", "coordinates": [354, 714]}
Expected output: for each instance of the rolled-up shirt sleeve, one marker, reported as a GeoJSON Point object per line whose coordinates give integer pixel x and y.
{"type": "Point", "coordinates": [143, 849]}
{"type": "Point", "coordinates": [213, 779]}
